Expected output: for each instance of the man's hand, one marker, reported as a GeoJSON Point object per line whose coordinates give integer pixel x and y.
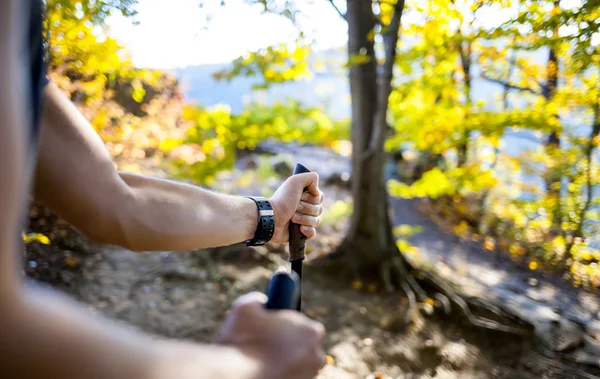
{"type": "Point", "coordinates": [286, 344]}
{"type": "Point", "coordinates": [298, 200]}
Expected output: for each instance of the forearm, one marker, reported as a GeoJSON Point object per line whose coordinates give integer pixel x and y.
{"type": "Point", "coordinates": [46, 336]}
{"type": "Point", "coordinates": [157, 214]}
{"type": "Point", "coordinates": [76, 178]}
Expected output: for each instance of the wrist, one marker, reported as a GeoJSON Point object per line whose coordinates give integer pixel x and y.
{"type": "Point", "coordinates": [265, 226]}
{"type": "Point", "coordinates": [250, 218]}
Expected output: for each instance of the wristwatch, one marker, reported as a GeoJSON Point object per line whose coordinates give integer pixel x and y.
{"type": "Point", "coordinates": [266, 222]}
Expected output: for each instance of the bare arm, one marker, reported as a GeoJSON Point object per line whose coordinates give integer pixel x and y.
{"type": "Point", "coordinates": [42, 335]}
{"type": "Point", "coordinates": [76, 178]}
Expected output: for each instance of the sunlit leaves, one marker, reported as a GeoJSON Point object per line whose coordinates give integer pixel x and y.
{"type": "Point", "coordinates": [83, 60]}
{"type": "Point", "coordinates": [492, 193]}
{"type": "Point", "coordinates": [274, 64]}
{"type": "Point", "coordinates": [339, 211]}
{"type": "Point", "coordinates": [217, 134]}
{"type": "Point", "coordinates": [138, 91]}
{"type": "Point", "coordinates": [406, 230]}
{"type": "Point", "coordinates": [95, 11]}
{"type": "Point", "coordinates": [434, 183]}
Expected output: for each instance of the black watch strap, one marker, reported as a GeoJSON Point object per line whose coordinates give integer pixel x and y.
{"type": "Point", "coordinates": [266, 222]}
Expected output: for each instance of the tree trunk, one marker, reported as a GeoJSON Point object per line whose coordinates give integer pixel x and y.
{"type": "Point", "coordinates": [465, 61]}
{"type": "Point", "coordinates": [553, 179]}
{"type": "Point", "coordinates": [370, 238]}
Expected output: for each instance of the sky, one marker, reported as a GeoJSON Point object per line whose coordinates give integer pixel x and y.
{"type": "Point", "coordinates": [174, 33]}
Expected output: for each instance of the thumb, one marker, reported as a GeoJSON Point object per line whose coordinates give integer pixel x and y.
{"type": "Point", "coordinates": [250, 299]}
{"type": "Point", "coordinates": [246, 305]}
{"type": "Point", "coordinates": [308, 181]}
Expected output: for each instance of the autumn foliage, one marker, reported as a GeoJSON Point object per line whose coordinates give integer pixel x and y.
{"type": "Point", "coordinates": [538, 205]}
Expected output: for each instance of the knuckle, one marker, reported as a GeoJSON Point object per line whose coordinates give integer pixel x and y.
{"type": "Point", "coordinates": [246, 309]}
{"type": "Point", "coordinates": [319, 330]}
{"type": "Point", "coordinates": [316, 332]}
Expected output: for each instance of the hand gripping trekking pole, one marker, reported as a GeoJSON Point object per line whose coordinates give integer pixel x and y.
{"type": "Point", "coordinates": [285, 290]}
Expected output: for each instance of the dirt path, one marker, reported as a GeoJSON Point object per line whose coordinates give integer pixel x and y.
{"type": "Point", "coordinates": [186, 294]}
{"type": "Point", "coordinates": [566, 318]}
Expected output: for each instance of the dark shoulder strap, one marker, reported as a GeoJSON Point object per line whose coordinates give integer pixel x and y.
{"type": "Point", "coordinates": [38, 64]}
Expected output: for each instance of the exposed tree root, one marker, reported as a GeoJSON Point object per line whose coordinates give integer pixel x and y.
{"type": "Point", "coordinates": [566, 368]}
{"type": "Point", "coordinates": [413, 306]}
{"type": "Point", "coordinates": [448, 296]}
{"type": "Point", "coordinates": [420, 285]}
{"type": "Point", "coordinates": [550, 356]}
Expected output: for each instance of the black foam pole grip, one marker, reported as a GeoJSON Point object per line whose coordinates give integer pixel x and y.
{"type": "Point", "coordinates": [297, 239]}
{"type": "Point", "coordinates": [282, 291]}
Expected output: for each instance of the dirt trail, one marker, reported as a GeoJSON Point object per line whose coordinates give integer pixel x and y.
{"type": "Point", "coordinates": [566, 318]}
{"type": "Point", "coordinates": [186, 294]}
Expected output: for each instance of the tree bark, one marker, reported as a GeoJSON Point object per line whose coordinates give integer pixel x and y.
{"type": "Point", "coordinates": [553, 179]}
{"type": "Point", "coordinates": [370, 239]}
{"type": "Point", "coordinates": [465, 60]}
{"type": "Point", "coordinates": [465, 52]}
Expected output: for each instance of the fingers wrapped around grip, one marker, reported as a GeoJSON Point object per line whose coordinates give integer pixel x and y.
{"type": "Point", "coordinates": [307, 220]}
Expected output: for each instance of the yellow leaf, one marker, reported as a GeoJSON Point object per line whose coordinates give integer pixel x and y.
{"type": "Point", "coordinates": [429, 301]}
{"type": "Point", "coordinates": [533, 265]}
{"type": "Point", "coordinates": [300, 53]}
{"type": "Point", "coordinates": [516, 249]}
{"type": "Point", "coordinates": [270, 73]}
{"type": "Point", "coordinates": [169, 144]}
{"type": "Point", "coordinates": [329, 360]}
{"type": "Point", "coordinates": [357, 284]}
{"type": "Point", "coordinates": [358, 59]}
{"type": "Point", "coordinates": [371, 35]}
{"type": "Point", "coordinates": [372, 287]}
{"type": "Point", "coordinates": [36, 237]}
{"type": "Point", "coordinates": [489, 243]}
{"type": "Point", "coordinates": [72, 261]}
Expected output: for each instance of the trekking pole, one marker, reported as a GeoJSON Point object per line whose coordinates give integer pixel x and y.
{"type": "Point", "coordinates": [297, 244]}
{"type": "Point", "coordinates": [285, 290]}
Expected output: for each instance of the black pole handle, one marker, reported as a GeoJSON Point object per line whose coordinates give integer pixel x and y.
{"type": "Point", "coordinates": [297, 241]}
{"type": "Point", "coordinates": [283, 291]}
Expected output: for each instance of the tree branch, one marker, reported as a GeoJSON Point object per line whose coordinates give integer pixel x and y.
{"type": "Point", "coordinates": [337, 9]}
{"type": "Point", "coordinates": [384, 85]}
{"type": "Point", "coordinates": [510, 86]}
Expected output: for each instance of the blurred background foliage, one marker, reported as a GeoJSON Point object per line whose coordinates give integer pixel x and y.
{"type": "Point", "coordinates": [539, 204]}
